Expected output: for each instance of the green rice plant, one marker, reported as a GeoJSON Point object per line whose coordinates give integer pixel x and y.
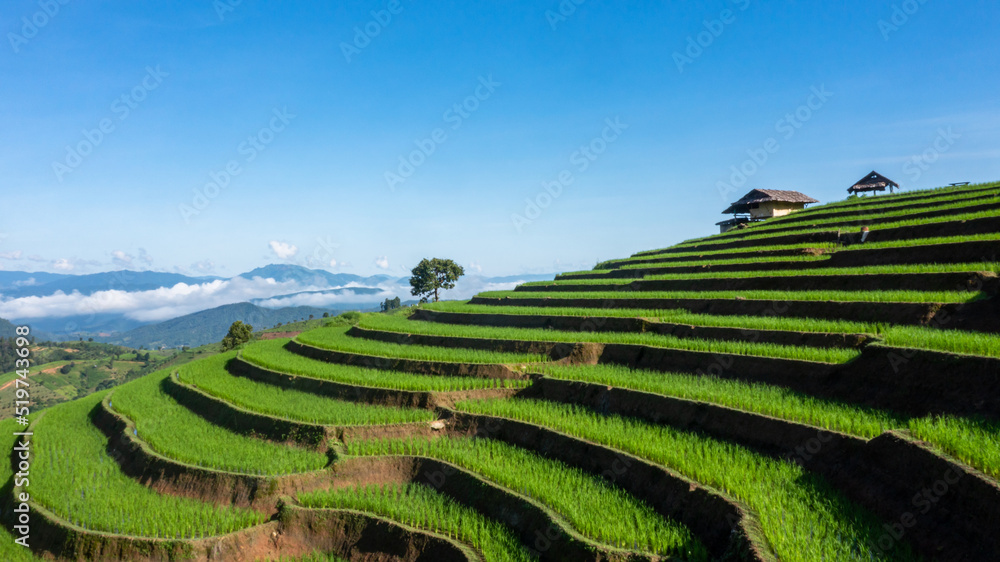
{"type": "Point", "coordinates": [700, 263]}
{"type": "Point", "coordinates": [911, 242]}
{"type": "Point", "coordinates": [420, 506]}
{"type": "Point", "coordinates": [919, 337]}
{"type": "Point", "coordinates": [975, 442]}
{"type": "Point", "coordinates": [750, 397]}
{"type": "Point", "coordinates": [926, 204]}
{"type": "Point", "coordinates": [954, 341]}
{"type": "Point", "coordinates": [402, 325]}
{"type": "Point", "coordinates": [714, 256]}
{"type": "Point", "coordinates": [671, 315]}
{"type": "Point", "coordinates": [171, 430]}
{"type": "Point", "coordinates": [764, 236]}
{"type": "Point", "coordinates": [272, 355]}
{"type": "Point", "coordinates": [9, 550]}
{"type": "Point", "coordinates": [896, 269]}
{"type": "Point", "coordinates": [867, 208]}
{"type": "Point", "coordinates": [597, 509]}
{"type": "Point", "coordinates": [210, 376]}
{"type": "Point", "coordinates": [880, 203]}
{"type": "Point", "coordinates": [876, 218]}
{"type": "Point", "coordinates": [802, 516]}
{"type": "Point", "coordinates": [73, 476]}
{"type": "Point", "coordinates": [336, 339]}
{"type": "Point", "coordinates": [840, 296]}
{"type": "Point", "coordinates": [667, 253]}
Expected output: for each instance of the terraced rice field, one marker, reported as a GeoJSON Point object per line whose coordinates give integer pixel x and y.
{"type": "Point", "coordinates": [551, 424]}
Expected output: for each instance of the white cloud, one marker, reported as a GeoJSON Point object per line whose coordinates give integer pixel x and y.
{"type": "Point", "coordinates": [15, 255]}
{"type": "Point", "coordinates": [121, 259]}
{"type": "Point", "coordinates": [382, 262]}
{"type": "Point", "coordinates": [473, 266]}
{"type": "Point", "coordinates": [333, 263]}
{"type": "Point", "coordinates": [63, 265]}
{"type": "Point", "coordinates": [149, 306]}
{"type": "Point", "coordinates": [144, 257]}
{"type": "Point", "coordinates": [283, 250]}
{"type": "Point", "coordinates": [204, 267]}
{"type": "Point", "coordinates": [29, 282]}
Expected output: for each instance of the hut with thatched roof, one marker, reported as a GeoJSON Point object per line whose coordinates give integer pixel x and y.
{"type": "Point", "coordinates": [763, 204]}
{"type": "Point", "coordinates": [873, 182]}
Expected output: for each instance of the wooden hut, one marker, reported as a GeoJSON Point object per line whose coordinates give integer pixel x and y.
{"type": "Point", "coordinates": [762, 204]}
{"type": "Point", "coordinates": [873, 182]}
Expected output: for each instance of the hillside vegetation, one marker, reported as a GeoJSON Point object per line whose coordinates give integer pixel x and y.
{"type": "Point", "coordinates": [780, 392]}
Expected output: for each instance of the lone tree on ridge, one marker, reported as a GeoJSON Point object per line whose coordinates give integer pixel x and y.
{"type": "Point", "coordinates": [239, 334]}
{"type": "Point", "coordinates": [432, 275]}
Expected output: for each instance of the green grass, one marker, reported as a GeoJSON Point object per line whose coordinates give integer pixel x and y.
{"type": "Point", "coordinates": [888, 214]}
{"type": "Point", "coordinates": [73, 477]}
{"type": "Point", "coordinates": [701, 263]}
{"type": "Point", "coordinates": [764, 236]}
{"type": "Point", "coordinates": [592, 506]}
{"type": "Point", "coordinates": [973, 441]}
{"type": "Point", "coordinates": [336, 338]}
{"type": "Point", "coordinates": [911, 242]}
{"type": "Point", "coordinates": [758, 398]}
{"type": "Point", "coordinates": [803, 517]}
{"type": "Point", "coordinates": [877, 208]}
{"type": "Point", "coordinates": [764, 272]}
{"type": "Point", "coordinates": [420, 506]}
{"type": "Point", "coordinates": [840, 296]}
{"type": "Point", "coordinates": [210, 376]}
{"type": "Point", "coordinates": [919, 337]}
{"type": "Point", "coordinates": [711, 257]}
{"type": "Point", "coordinates": [667, 253]}
{"type": "Point", "coordinates": [670, 315]}
{"type": "Point", "coordinates": [954, 341]}
{"type": "Point", "coordinates": [271, 354]}
{"type": "Point", "coordinates": [9, 550]}
{"type": "Point", "coordinates": [172, 430]}
{"type": "Point", "coordinates": [869, 204]}
{"type": "Point", "coordinates": [402, 325]}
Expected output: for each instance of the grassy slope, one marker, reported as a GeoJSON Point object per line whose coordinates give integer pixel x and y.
{"type": "Point", "coordinates": [210, 376]}
{"type": "Point", "coordinates": [170, 429]}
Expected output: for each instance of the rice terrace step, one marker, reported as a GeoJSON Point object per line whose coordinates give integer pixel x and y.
{"type": "Point", "coordinates": [396, 281]}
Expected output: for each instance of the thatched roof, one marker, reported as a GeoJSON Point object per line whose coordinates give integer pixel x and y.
{"type": "Point", "coordinates": [873, 182]}
{"type": "Point", "coordinates": [765, 195]}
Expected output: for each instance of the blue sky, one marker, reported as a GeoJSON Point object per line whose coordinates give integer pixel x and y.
{"type": "Point", "coordinates": [309, 117]}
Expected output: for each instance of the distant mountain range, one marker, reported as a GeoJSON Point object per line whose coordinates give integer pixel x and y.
{"type": "Point", "coordinates": [211, 325]}
{"type": "Point", "coordinates": [61, 306]}
{"type": "Point", "coordinates": [16, 284]}
{"type": "Point", "coordinates": [317, 277]}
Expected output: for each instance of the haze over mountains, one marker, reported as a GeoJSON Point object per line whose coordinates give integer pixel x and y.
{"type": "Point", "coordinates": [154, 309]}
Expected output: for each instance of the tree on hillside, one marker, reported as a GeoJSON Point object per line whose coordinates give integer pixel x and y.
{"type": "Point", "coordinates": [391, 304]}
{"type": "Point", "coordinates": [239, 334]}
{"type": "Point", "coordinates": [430, 276]}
